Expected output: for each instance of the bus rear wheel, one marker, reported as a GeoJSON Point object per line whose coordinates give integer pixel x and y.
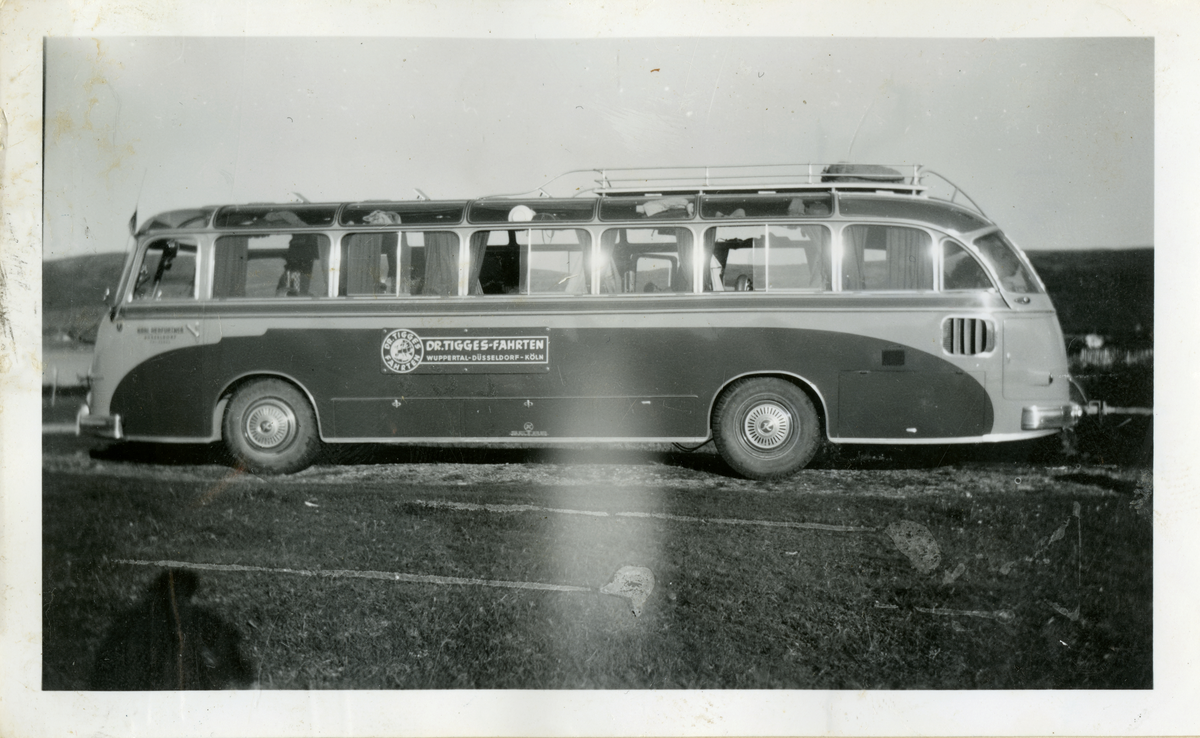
{"type": "Point", "coordinates": [766, 428]}
{"type": "Point", "coordinates": [270, 428]}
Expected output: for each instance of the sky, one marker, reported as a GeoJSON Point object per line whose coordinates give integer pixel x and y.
{"type": "Point", "coordinates": [1053, 138]}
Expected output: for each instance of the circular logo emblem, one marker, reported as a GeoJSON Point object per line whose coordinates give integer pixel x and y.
{"type": "Point", "coordinates": [402, 351]}
{"type": "Point", "coordinates": [529, 426]}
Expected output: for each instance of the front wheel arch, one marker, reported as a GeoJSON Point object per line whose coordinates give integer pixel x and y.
{"type": "Point", "coordinates": [269, 425]}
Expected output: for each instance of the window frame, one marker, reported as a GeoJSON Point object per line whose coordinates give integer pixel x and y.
{"type": "Point", "coordinates": [941, 267]}
{"type": "Point", "coordinates": [524, 282]}
{"type": "Point", "coordinates": [839, 253]}
{"type": "Point", "coordinates": [329, 272]}
{"type": "Point", "coordinates": [765, 226]}
{"type": "Point", "coordinates": [196, 249]}
{"type": "Point", "coordinates": [649, 225]}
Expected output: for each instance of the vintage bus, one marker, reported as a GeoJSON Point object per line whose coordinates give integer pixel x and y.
{"type": "Point", "coordinates": [767, 309]}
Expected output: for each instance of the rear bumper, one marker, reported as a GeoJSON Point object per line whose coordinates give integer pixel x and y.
{"type": "Point", "coordinates": [104, 426]}
{"type": "Point", "coordinates": [1050, 417]}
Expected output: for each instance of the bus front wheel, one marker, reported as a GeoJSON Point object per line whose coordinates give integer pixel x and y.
{"type": "Point", "coordinates": [766, 428]}
{"type": "Point", "coordinates": [270, 428]}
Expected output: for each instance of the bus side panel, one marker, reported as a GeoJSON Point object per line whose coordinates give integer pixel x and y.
{"type": "Point", "coordinates": [600, 382]}
{"type": "Point", "coordinates": [166, 396]}
{"type": "Point", "coordinates": [877, 404]}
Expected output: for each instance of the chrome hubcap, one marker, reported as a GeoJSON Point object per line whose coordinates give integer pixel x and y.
{"type": "Point", "coordinates": [270, 424]}
{"type": "Point", "coordinates": [767, 426]}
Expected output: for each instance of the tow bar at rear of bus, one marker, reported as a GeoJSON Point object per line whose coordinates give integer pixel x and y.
{"type": "Point", "coordinates": [1102, 408]}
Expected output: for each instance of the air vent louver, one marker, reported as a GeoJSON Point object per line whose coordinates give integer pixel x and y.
{"type": "Point", "coordinates": [968, 336]}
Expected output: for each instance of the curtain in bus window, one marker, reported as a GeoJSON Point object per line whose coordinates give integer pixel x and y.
{"type": "Point", "coordinates": [817, 255]}
{"type": "Point", "coordinates": [229, 267]}
{"type": "Point", "coordinates": [360, 264]}
{"type": "Point", "coordinates": [683, 275]}
{"type": "Point", "coordinates": [441, 263]}
{"type": "Point", "coordinates": [610, 277]}
{"type": "Point", "coordinates": [478, 250]}
{"type": "Point", "coordinates": [910, 262]}
{"type": "Point", "coordinates": [711, 272]}
{"type": "Point", "coordinates": [854, 244]}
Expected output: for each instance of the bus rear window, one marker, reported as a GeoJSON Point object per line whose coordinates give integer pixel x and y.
{"type": "Point", "coordinates": [886, 258]}
{"type": "Point", "coordinates": [271, 265]}
{"type": "Point", "coordinates": [1002, 257]}
{"type": "Point", "coordinates": [960, 271]}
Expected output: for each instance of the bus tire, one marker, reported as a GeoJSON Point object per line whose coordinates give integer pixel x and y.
{"type": "Point", "coordinates": [766, 428]}
{"type": "Point", "coordinates": [270, 428]}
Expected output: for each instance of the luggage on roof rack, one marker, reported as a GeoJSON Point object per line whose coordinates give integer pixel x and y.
{"type": "Point", "coordinates": [874, 173]}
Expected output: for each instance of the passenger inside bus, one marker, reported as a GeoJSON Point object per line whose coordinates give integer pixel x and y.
{"type": "Point", "coordinates": [298, 266]}
{"type": "Point", "coordinates": [270, 265]}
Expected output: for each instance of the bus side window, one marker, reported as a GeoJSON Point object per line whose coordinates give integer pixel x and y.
{"type": "Point", "coordinates": [798, 257]}
{"type": "Point", "coordinates": [645, 260]}
{"type": "Point", "coordinates": [557, 262]}
{"type": "Point", "coordinates": [497, 261]}
{"type": "Point", "coordinates": [960, 271]}
{"type": "Point", "coordinates": [368, 265]}
{"type": "Point", "coordinates": [530, 262]}
{"type": "Point", "coordinates": [879, 257]}
{"type": "Point", "coordinates": [167, 272]}
{"type": "Point", "coordinates": [271, 265]}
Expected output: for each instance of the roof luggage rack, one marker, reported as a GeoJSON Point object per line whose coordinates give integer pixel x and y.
{"type": "Point", "coordinates": [759, 177]}
{"type": "Point", "coordinates": [902, 179]}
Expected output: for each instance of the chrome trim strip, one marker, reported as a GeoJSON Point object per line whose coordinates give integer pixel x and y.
{"type": "Point", "coordinates": [989, 438]}
{"type": "Point", "coordinates": [525, 440]}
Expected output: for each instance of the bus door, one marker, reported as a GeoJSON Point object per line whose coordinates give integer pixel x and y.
{"type": "Point", "coordinates": [160, 316]}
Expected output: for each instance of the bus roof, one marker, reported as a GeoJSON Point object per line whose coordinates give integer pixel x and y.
{"type": "Point", "coordinates": [862, 190]}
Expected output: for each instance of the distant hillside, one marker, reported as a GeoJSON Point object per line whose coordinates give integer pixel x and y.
{"type": "Point", "coordinates": [1095, 291]}
{"type": "Point", "coordinates": [79, 281]}
{"type": "Point", "coordinates": [1110, 292]}
{"type": "Point", "coordinates": [73, 295]}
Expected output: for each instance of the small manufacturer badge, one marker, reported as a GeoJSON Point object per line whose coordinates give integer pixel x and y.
{"type": "Point", "coordinates": [402, 351]}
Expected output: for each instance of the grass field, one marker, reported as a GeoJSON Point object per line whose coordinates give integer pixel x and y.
{"type": "Point", "coordinates": [1043, 579]}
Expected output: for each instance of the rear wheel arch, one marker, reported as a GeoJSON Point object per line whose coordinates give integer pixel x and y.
{"type": "Point", "coordinates": [806, 386]}
{"type": "Point", "coordinates": [767, 426]}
